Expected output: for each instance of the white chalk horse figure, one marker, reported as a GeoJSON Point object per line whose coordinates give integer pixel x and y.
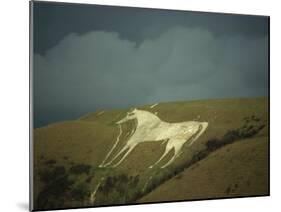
{"type": "Point", "coordinates": [151, 128]}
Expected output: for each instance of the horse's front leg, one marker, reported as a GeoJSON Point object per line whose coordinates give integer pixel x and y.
{"type": "Point", "coordinates": [125, 155]}
{"type": "Point", "coordinates": [116, 156]}
{"type": "Point", "coordinates": [169, 162]}
{"type": "Point", "coordinates": [114, 146]}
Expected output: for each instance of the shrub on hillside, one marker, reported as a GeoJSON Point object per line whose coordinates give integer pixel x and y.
{"type": "Point", "coordinates": [49, 175]}
{"type": "Point", "coordinates": [50, 162]}
{"type": "Point", "coordinates": [118, 189]}
{"type": "Point", "coordinates": [80, 192]}
{"type": "Point", "coordinates": [80, 169]}
{"type": "Point", "coordinates": [54, 194]}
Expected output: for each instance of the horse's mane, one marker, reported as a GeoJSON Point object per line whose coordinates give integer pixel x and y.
{"type": "Point", "coordinates": [147, 113]}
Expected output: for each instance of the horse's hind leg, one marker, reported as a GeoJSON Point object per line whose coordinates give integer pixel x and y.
{"type": "Point", "coordinates": [169, 162]}
{"type": "Point", "coordinates": [167, 150]}
{"type": "Point", "coordinates": [177, 154]}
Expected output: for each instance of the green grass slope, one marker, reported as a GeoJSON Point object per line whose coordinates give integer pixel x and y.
{"type": "Point", "coordinates": [67, 155]}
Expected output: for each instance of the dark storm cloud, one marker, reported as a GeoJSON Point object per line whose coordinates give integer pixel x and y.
{"type": "Point", "coordinates": [54, 21]}
{"type": "Point", "coordinates": [103, 70]}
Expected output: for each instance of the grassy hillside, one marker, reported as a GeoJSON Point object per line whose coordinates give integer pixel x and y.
{"type": "Point", "coordinates": [219, 163]}
{"type": "Point", "coordinates": [239, 169]}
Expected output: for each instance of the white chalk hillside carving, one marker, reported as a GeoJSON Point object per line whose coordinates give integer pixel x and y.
{"type": "Point", "coordinates": [151, 128]}
{"type": "Point", "coordinates": [154, 105]}
{"type": "Point", "coordinates": [114, 146]}
{"type": "Point", "coordinates": [93, 194]}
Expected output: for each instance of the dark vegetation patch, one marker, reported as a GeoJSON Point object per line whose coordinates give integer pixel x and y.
{"type": "Point", "coordinates": [55, 191]}
{"type": "Point", "coordinates": [89, 179]}
{"type": "Point", "coordinates": [65, 157]}
{"type": "Point", "coordinates": [62, 185]}
{"type": "Point", "coordinates": [247, 131]}
{"type": "Point", "coordinates": [49, 175]}
{"type": "Point", "coordinates": [50, 162]}
{"type": "Point", "coordinates": [80, 169]}
{"type": "Point", "coordinates": [118, 189]}
{"type": "Point", "coordinates": [81, 191]}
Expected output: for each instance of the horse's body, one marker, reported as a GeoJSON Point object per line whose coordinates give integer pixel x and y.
{"type": "Point", "coordinates": [151, 128]}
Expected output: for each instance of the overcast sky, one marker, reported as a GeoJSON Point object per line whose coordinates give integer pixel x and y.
{"type": "Point", "coordinates": [89, 58]}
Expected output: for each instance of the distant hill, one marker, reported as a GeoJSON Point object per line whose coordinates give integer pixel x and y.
{"type": "Point", "coordinates": [229, 159]}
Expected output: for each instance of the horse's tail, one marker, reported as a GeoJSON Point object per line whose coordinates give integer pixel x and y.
{"type": "Point", "coordinates": [202, 127]}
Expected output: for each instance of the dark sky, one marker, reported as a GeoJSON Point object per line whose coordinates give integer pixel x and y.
{"type": "Point", "coordinates": [89, 57]}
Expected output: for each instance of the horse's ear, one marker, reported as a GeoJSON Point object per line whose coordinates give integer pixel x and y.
{"type": "Point", "coordinates": [135, 110]}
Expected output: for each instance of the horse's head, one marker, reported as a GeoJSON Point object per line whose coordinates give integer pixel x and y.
{"type": "Point", "coordinates": [130, 116]}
